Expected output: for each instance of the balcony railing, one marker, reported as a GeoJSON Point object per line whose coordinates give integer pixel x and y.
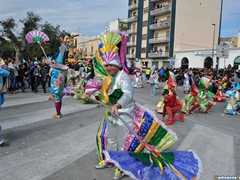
{"type": "Point", "coordinates": [159, 1]}
{"type": "Point", "coordinates": [132, 19]}
{"type": "Point", "coordinates": [130, 56]}
{"type": "Point", "coordinates": [133, 43]}
{"type": "Point", "coordinates": [132, 31]}
{"type": "Point", "coordinates": [160, 25]}
{"type": "Point", "coordinates": [159, 40]}
{"type": "Point", "coordinates": [133, 6]}
{"type": "Point", "coordinates": [158, 54]}
{"type": "Point", "coordinates": [160, 11]}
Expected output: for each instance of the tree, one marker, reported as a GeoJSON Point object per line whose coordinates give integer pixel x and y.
{"type": "Point", "coordinates": [19, 42]}
{"type": "Point", "coordinates": [6, 49]}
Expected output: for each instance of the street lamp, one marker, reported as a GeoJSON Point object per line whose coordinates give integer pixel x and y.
{"type": "Point", "coordinates": [213, 40]}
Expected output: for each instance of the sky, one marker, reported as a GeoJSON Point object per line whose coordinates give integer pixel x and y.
{"type": "Point", "coordinates": [91, 16]}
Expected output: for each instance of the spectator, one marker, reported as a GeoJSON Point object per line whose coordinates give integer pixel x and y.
{"type": "Point", "coordinates": [32, 76]}
{"type": "Point", "coordinates": [22, 77]}
{"type": "Point", "coordinates": [40, 77]}
{"type": "Point", "coordinates": [13, 67]}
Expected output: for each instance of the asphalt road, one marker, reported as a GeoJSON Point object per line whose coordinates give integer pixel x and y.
{"type": "Point", "coordinates": [40, 147]}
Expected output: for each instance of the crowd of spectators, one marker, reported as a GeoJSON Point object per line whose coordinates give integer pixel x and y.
{"type": "Point", "coordinates": [226, 76]}
{"type": "Point", "coordinates": [33, 74]}
{"type": "Point", "coordinates": [24, 75]}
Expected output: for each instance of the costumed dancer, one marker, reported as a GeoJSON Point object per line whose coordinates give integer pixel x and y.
{"type": "Point", "coordinates": [137, 82]}
{"type": "Point", "coordinates": [171, 84]}
{"type": "Point", "coordinates": [191, 98]}
{"type": "Point", "coordinates": [171, 106]}
{"type": "Point", "coordinates": [125, 148]}
{"type": "Point", "coordinates": [220, 95]}
{"type": "Point", "coordinates": [186, 84]}
{"type": "Point", "coordinates": [153, 80]}
{"type": "Point", "coordinates": [233, 104]}
{"type": "Point", "coordinates": [3, 73]}
{"type": "Point", "coordinates": [203, 103]}
{"type": "Point", "coordinates": [58, 73]}
{"type": "Point", "coordinates": [117, 91]}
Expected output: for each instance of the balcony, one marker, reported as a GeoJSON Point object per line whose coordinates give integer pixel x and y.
{"type": "Point", "coordinates": [159, 1]}
{"type": "Point", "coordinates": [160, 25]}
{"type": "Point", "coordinates": [161, 11]}
{"type": "Point", "coordinates": [132, 19]}
{"type": "Point", "coordinates": [133, 43]}
{"type": "Point", "coordinates": [158, 54]}
{"type": "Point", "coordinates": [159, 40]}
{"type": "Point", "coordinates": [133, 7]}
{"type": "Point", "coordinates": [132, 31]}
{"type": "Point", "coordinates": [130, 56]}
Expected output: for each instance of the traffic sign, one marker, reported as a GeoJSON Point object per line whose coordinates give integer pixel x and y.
{"type": "Point", "coordinates": [222, 51]}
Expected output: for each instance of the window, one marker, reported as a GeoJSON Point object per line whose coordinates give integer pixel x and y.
{"type": "Point", "coordinates": [133, 39]}
{"type": "Point", "coordinates": [143, 50]}
{"type": "Point", "coordinates": [145, 11]}
{"type": "Point", "coordinates": [145, 23]}
{"type": "Point", "coordinates": [144, 36]}
{"type": "Point", "coordinates": [167, 33]}
{"type": "Point", "coordinates": [134, 26]}
{"type": "Point", "coordinates": [85, 49]}
{"type": "Point", "coordinates": [155, 35]}
{"type": "Point", "coordinates": [91, 48]}
{"type": "Point", "coordinates": [132, 51]}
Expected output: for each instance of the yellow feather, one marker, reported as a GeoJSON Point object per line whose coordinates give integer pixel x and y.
{"type": "Point", "coordinates": [109, 48]}
{"type": "Point", "coordinates": [106, 84]}
{"type": "Point", "coordinates": [99, 58]}
{"type": "Point", "coordinates": [111, 38]}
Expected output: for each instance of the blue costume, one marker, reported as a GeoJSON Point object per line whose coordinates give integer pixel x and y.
{"type": "Point", "coordinates": [58, 73]}
{"type": "Point", "coordinates": [3, 73]}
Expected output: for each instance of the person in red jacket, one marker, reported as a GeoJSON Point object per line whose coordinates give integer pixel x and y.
{"type": "Point", "coordinates": [171, 106]}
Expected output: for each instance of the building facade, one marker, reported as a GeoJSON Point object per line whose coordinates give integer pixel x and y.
{"type": "Point", "coordinates": [159, 28]}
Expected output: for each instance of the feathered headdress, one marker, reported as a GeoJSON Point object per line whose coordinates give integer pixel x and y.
{"type": "Point", "coordinates": [114, 49]}
{"type": "Point", "coordinates": [109, 49]}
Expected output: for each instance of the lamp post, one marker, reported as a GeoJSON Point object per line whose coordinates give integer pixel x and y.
{"type": "Point", "coordinates": [213, 40]}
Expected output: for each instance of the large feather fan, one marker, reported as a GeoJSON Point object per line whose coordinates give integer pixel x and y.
{"type": "Point", "coordinates": [36, 36]}
{"type": "Point", "coordinates": [111, 39]}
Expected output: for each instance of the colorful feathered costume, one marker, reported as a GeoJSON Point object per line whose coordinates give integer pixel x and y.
{"type": "Point", "coordinates": [220, 95]}
{"type": "Point", "coordinates": [171, 84]}
{"type": "Point", "coordinates": [204, 98]}
{"type": "Point", "coordinates": [233, 104]}
{"type": "Point", "coordinates": [137, 81]}
{"type": "Point", "coordinates": [3, 73]}
{"type": "Point", "coordinates": [133, 155]}
{"type": "Point", "coordinates": [191, 98]}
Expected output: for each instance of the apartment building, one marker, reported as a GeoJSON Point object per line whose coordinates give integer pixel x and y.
{"type": "Point", "coordinates": [89, 47]}
{"type": "Point", "coordinates": [159, 28]}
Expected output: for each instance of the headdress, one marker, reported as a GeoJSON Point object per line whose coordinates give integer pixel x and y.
{"type": "Point", "coordinates": [113, 50]}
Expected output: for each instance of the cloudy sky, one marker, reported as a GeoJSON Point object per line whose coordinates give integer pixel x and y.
{"type": "Point", "coordinates": [91, 16]}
